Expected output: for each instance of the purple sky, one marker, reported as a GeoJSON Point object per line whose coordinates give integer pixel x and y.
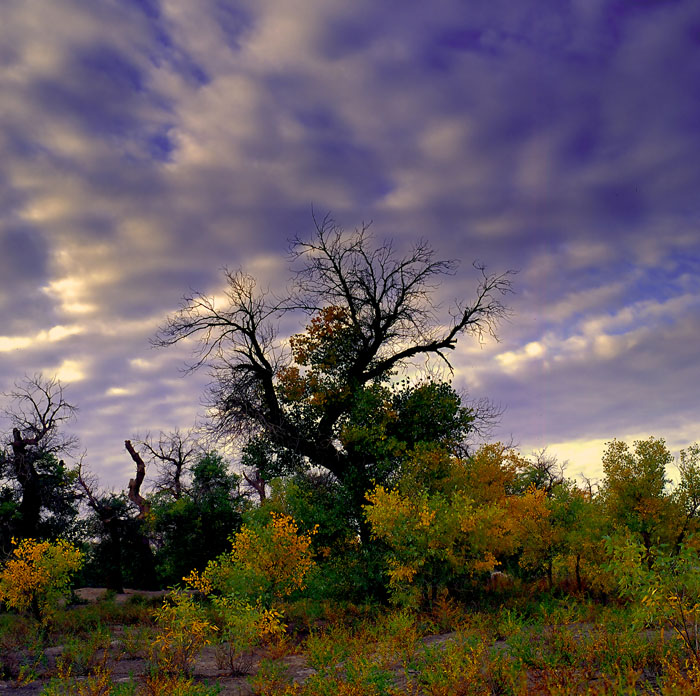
{"type": "Point", "coordinates": [146, 144]}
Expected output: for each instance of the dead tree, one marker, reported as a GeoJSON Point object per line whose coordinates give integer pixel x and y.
{"type": "Point", "coordinates": [173, 454]}
{"type": "Point", "coordinates": [144, 549]}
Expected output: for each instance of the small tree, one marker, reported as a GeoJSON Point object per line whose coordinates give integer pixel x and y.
{"type": "Point", "coordinates": [268, 561]}
{"type": "Point", "coordinates": [635, 488]}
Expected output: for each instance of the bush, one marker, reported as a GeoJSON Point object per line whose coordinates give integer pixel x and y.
{"type": "Point", "coordinates": [183, 631]}
{"type": "Point", "coordinates": [37, 575]}
{"type": "Point", "coordinates": [268, 561]}
{"type": "Point", "coordinates": [662, 585]}
{"type": "Point", "coordinates": [434, 540]}
{"type": "Point", "coordinates": [242, 626]}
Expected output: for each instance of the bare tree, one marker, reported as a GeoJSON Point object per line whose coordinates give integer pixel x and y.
{"type": "Point", "coordinates": [173, 454]}
{"type": "Point", "coordinates": [37, 410]}
{"type": "Point", "coordinates": [546, 472]}
{"type": "Point", "coordinates": [388, 317]}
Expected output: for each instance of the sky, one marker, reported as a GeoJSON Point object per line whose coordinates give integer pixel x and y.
{"type": "Point", "coordinates": [145, 144]}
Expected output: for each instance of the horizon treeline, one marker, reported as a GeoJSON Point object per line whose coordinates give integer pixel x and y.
{"type": "Point", "coordinates": [380, 469]}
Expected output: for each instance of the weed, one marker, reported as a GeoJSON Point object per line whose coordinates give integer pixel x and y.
{"type": "Point", "coordinates": [325, 651]}
{"type": "Point", "coordinates": [508, 623]}
{"type": "Point", "coordinates": [271, 678]}
{"type": "Point", "coordinates": [97, 683]}
{"type": "Point", "coordinates": [135, 641]}
{"type": "Point", "coordinates": [446, 614]}
{"type": "Point", "coordinates": [397, 635]}
{"type": "Point", "coordinates": [450, 670]}
{"type": "Point", "coordinates": [183, 631]}
{"type": "Point", "coordinates": [159, 684]}
{"type": "Point", "coordinates": [84, 654]}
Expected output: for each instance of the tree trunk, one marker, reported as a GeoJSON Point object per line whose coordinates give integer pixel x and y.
{"type": "Point", "coordinates": [257, 483]}
{"type": "Point", "coordinates": [28, 479]}
{"type": "Point", "coordinates": [114, 578]}
{"type": "Point", "coordinates": [147, 561]}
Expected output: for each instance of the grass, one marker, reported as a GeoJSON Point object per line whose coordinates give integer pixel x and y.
{"type": "Point", "coordinates": [555, 646]}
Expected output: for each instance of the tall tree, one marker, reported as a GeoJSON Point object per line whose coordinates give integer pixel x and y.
{"type": "Point", "coordinates": [371, 314]}
{"type": "Point", "coordinates": [37, 410]}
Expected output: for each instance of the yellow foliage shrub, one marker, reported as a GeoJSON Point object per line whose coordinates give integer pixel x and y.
{"type": "Point", "coordinates": [183, 632]}
{"type": "Point", "coordinates": [432, 538]}
{"type": "Point", "coordinates": [273, 559]}
{"type": "Point", "coordinates": [38, 574]}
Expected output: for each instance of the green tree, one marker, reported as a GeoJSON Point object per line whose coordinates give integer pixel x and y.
{"type": "Point", "coordinates": [686, 495]}
{"type": "Point", "coordinates": [635, 489]}
{"type": "Point", "coordinates": [190, 530]}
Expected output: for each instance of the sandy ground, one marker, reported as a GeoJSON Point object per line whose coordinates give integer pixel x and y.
{"type": "Point", "coordinates": [95, 594]}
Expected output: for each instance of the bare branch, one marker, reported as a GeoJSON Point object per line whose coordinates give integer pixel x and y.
{"type": "Point", "coordinates": [37, 409]}
{"type": "Point", "coordinates": [172, 454]}
{"type": "Point", "coordinates": [387, 303]}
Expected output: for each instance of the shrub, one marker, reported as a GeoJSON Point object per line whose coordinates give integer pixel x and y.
{"type": "Point", "coordinates": [434, 540]}
{"type": "Point", "coordinates": [271, 561]}
{"type": "Point", "coordinates": [663, 586]}
{"type": "Point", "coordinates": [37, 575]}
{"type": "Point", "coordinates": [183, 631]}
{"type": "Point", "coordinates": [242, 626]}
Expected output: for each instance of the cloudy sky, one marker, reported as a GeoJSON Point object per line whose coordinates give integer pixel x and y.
{"type": "Point", "coordinates": [144, 144]}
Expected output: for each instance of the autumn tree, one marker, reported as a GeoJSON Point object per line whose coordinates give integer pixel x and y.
{"type": "Point", "coordinates": [371, 313]}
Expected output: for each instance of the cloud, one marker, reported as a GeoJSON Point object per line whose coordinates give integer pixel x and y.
{"type": "Point", "coordinates": [146, 145]}
{"type": "Point", "coordinates": [69, 371]}
{"type": "Point", "coordinates": [54, 334]}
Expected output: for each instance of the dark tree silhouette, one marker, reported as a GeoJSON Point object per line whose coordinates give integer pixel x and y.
{"type": "Point", "coordinates": [144, 552]}
{"type": "Point", "coordinates": [37, 409]}
{"type": "Point", "coordinates": [110, 512]}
